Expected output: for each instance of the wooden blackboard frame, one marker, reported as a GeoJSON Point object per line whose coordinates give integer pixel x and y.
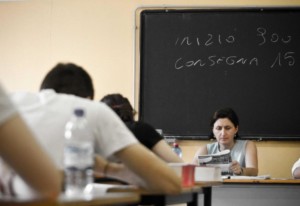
{"type": "Point", "coordinates": [139, 66]}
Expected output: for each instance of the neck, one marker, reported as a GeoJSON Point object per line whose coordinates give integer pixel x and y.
{"type": "Point", "coordinates": [226, 146]}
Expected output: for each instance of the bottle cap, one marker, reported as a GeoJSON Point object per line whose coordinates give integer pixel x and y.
{"type": "Point", "coordinates": [79, 112]}
{"type": "Point", "coordinates": [175, 144]}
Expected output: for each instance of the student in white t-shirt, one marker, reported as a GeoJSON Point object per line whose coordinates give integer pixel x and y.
{"type": "Point", "coordinates": [20, 151]}
{"type": "Point", "coordinates": [68, 86]}
{"type": "Point", "coordinates": [296, 169]}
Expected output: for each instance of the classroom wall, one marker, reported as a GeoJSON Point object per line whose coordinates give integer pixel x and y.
{"type": "Point", "coordinates": [100, 36]}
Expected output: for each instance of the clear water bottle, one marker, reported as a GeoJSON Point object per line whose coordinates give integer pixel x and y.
{"type": "Point", "coordinates": [78, 154]}
{"type": "Point", "coordinates": [177, 149]}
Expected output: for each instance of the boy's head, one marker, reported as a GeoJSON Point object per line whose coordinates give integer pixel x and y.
{"type": "Point", "coordinates": [69, 78]}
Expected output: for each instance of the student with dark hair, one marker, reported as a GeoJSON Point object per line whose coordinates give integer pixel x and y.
{"type": "Point", "coordinates": [225, 126]}
{"type": "Point", "coordinates": [69, 79]}
{"type": "Point", "coordinates": [20, 151]}
{"type": "Point", "coordinates": [48, 111]}
{"type": "Point", "coordinates": [144, 132]}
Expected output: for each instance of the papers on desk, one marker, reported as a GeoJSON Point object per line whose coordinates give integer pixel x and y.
{"type": "Point", "coordinates": [204, 174]}
{"type": "Point", "coordinates": [261, 177]}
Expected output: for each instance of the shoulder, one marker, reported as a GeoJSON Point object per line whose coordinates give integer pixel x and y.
{"type": "Point", "coordinates": [243, 143]}
{"type": "Point", "coordinates": [212, 147]}
{"type": "Point", "coordinates": [249, 144]}
{"type": "Point", "coordinates": [203, 150]}
{"type": "Point", "coordinates": [296, 165]}
{"type": "Point", "coordinates": [144, 125]}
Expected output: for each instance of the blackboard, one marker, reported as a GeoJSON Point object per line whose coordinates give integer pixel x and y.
{"type": "Point", "coordinates": [195, 61]}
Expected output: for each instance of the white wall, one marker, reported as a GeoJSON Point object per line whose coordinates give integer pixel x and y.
{"type": "Point", "coordinates": [96, 34]}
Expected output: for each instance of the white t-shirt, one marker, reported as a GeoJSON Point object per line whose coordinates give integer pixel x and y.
{"type": "Point", "coordinates": [7, 109]}
{"type": "Point", "coordinates": [295, 166]}
{"type": "Point", "coordinates": [47, 113]}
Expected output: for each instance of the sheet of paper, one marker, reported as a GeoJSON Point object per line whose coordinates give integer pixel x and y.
{"type": "Point", "coordinates": [260, 177]}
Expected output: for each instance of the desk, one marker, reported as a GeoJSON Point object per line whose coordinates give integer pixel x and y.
{"type": "Point", "coordinates": [249, 192]}
{"type": "Point", "coordinates": [107, 199]}
{"type": "Point", "coordinates": [123, 198]}
{"type": "Point", "coordinates": [188, 195]}
{"type": "Point", "coordinates": [207, 191]}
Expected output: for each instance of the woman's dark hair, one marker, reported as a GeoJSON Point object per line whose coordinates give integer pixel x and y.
{"type": "Point", "coordinates": [69, 79]}
{"type": "Point", "coordinates": [120, 105]}
{"type": "Point", "coordinates": [225, 113]}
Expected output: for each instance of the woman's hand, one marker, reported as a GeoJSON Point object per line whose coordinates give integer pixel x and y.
{"type": "Point", "coordinates": [236, 168]}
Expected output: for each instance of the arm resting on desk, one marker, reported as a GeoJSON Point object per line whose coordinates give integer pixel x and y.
{"type": "Point", "coordinates": [143, 168]}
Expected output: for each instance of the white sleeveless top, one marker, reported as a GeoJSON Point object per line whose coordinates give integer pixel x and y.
{"type": "Point", "coordinates": [237, 153]}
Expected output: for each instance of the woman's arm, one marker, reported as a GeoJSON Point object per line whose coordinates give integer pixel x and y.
{"type": "Point", "coordinates": [164, 151]}
{"type": "Point", "coordinates": [20, 151]}
{"type": "Point", "coordinates": [201, 151]}
{"type": "Point", "coordinates": [251, 160]}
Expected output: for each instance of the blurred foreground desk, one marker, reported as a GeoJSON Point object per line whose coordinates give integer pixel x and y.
{"type": "Point", "coordinates": [125, 198]}
{"type": "Point", "coordinates": [249, 192]}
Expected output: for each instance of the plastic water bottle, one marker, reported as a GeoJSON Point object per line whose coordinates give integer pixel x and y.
{"type": "Point", "coordinates": [78, 154]}
{"type": "Point", "coordinates": [177, 149]}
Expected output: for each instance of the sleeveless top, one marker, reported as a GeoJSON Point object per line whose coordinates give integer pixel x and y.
{"type": "Point", "coordinates": [237, 152]}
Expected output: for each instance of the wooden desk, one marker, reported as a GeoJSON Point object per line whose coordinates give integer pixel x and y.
{"type": "Point", "coordinates": [123, 198]}
{"type": "Point", "coordinates": [249, 192]}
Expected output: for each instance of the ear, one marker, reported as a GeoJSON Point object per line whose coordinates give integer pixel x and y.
{"type": "Point", "coordinates": [237, 129]}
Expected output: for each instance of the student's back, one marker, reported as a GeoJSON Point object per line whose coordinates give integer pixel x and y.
{"type": "Point", "coordinates": [47, 113]}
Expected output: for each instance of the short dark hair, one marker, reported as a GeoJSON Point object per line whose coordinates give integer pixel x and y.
{"type": "Point", "coordinates": [69, 78]}
{"type": "Point", "coordinates": [120, 105]}
{"type": "Point", "coordinates": [225, 113]}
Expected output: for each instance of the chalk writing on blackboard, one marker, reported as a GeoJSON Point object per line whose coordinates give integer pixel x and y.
{"type": "Point", "coordinates": [282, 58]}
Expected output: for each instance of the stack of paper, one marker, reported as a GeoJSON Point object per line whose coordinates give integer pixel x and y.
{"type": "Point", "coordinates": [208, 174]}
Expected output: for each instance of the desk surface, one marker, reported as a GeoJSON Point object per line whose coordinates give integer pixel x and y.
{"type": "Point", "coordinates": [262, 181]}
{"type": "Point", "coordinates": [208, 183]}
{"type": "Point", "coordinates": [107, 199]}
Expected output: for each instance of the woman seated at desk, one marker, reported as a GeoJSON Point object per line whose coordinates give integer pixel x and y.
{"type": "Point", "coordinates": [225, 126]}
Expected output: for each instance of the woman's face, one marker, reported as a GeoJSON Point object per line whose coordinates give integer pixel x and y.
{"type": "Point", "coordinates": [224, 131]}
